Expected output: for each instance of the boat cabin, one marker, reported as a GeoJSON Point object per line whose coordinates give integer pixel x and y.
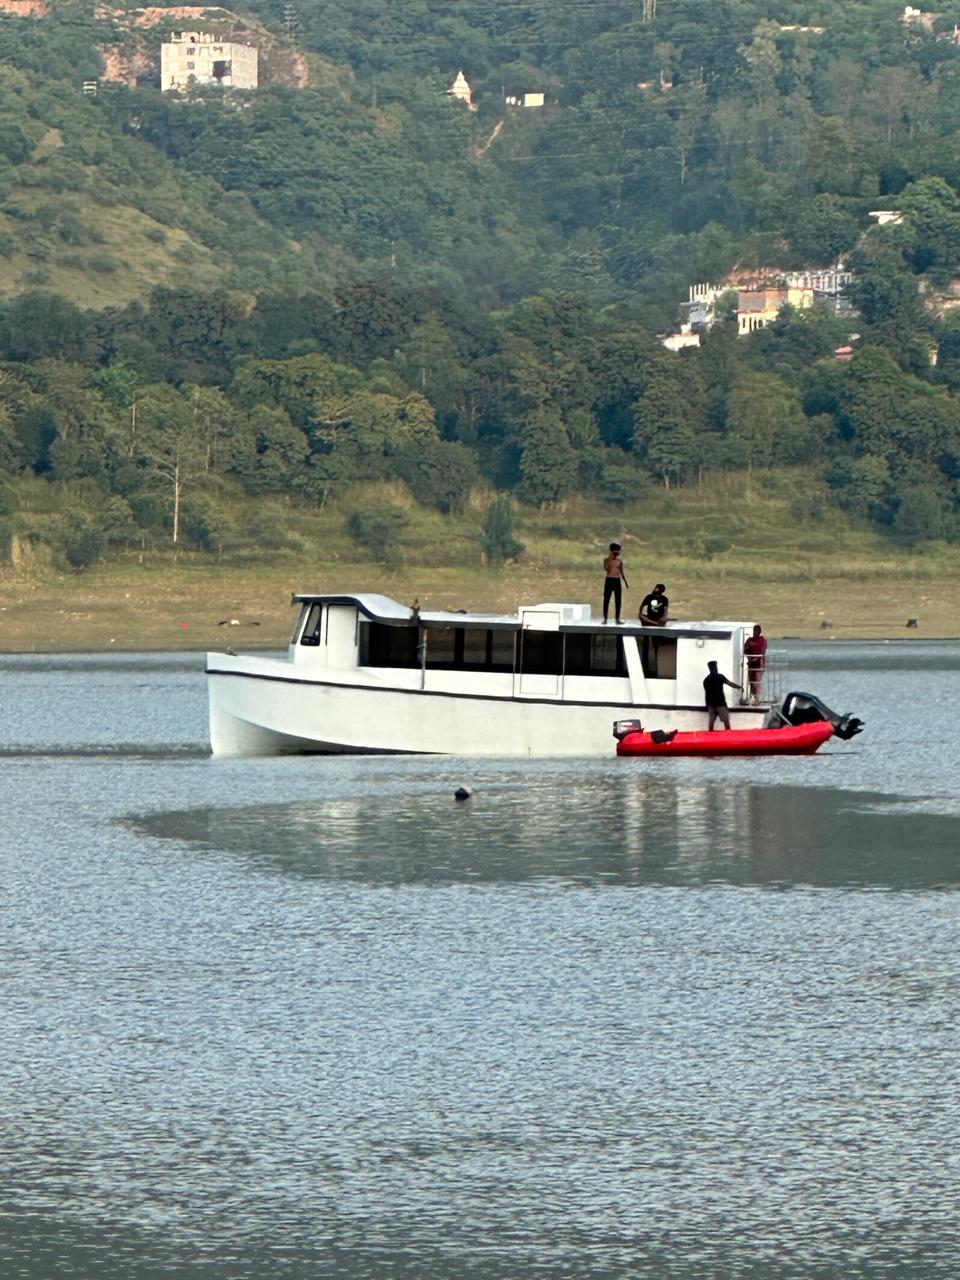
{"type": "Point", "coordinates": [544, 651]}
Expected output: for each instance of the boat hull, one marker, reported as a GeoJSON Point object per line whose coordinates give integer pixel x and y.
{"type": "Point", "coordinates": [799, 740]}
{"type": "Point", "coordinates": [266, 713]}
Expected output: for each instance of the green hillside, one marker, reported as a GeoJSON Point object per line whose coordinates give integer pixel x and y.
{"type": "Point", "coordinates": [216, 300]}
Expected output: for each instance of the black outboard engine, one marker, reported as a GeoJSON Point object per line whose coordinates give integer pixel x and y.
{"type": "Point", "coordinates": [622, 727]}
{"type": "Point", "coordinates": [804, 708]}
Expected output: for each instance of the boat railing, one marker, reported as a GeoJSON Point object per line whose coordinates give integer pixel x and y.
{"type": "Point", "coordinates": [771, 687]}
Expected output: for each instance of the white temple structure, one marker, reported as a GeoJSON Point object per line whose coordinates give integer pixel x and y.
{"type": "Point", "coordinates": [460, 89]}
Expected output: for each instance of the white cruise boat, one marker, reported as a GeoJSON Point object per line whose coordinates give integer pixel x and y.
{"type": "Point", "coordinates": [366, 674]}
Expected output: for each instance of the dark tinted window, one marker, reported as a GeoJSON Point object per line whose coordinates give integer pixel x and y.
{"type": "Point", "coordinates": [502, 645]}
{"type": "Point", "coordinates": [594, 655]}
{"type": "Point", "coordinates": [383, 646]}
{"type": "Point", "coordinates": [447, 648]}
{"type": "Point", "coordinates": [475, 647]}
{"type": "Point", "coordinates": [441, 646]}
{"type": "Point", "coordinates": [540, 652]}
{"type": "Point", "coordinates": [606, 655]}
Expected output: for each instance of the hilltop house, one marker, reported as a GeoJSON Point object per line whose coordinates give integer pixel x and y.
{"type": "Point", "coordinates": [201, 58]}
{"type": "Point", "coordinates": [524, 99]}
{"type": "Point", "coordinates": [886, 217]}
{"type": "Point", "coordinates": [918, 18]}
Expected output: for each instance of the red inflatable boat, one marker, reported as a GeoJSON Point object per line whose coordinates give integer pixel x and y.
{"type": "Point", "coordinates": [791, 740]}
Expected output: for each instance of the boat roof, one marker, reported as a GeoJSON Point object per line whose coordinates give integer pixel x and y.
{"type": "Point", "coordinates": [573, 617]}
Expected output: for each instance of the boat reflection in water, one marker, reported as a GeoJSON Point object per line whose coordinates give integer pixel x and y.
{"type": "Point", "coordinates": [594, 826]}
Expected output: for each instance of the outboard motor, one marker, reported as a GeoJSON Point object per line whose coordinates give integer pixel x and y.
{"type": "Point", "coordinates": [804, 708]}
{"type": "Point", "coordinates": [622, 727]}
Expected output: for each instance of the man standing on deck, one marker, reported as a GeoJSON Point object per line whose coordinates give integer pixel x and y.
{"type": "Point", "coordinates": [616, 575]}
{"type": "Point", "coordinates": [755, 648]}
{"type": "Point", "coordinates": [713, 685]}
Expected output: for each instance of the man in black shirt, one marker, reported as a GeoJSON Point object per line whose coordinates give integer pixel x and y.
{"type": "Point", "coordinates": [713, 685]}
{"type": "Point", "coordinates": [653, 607]}
{"type": "Point", "coordinates": [653, 613]}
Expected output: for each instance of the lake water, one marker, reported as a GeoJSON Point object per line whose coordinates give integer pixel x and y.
{"type": "Point", "coordinates": [311, 1017]}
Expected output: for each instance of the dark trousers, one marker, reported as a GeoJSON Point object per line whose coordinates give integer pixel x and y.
{"type": "Point", "coordinates": [612, 587]}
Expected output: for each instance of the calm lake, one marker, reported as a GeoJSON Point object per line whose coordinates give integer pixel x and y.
{"type": "Point", "coordinates": [311, 1017]}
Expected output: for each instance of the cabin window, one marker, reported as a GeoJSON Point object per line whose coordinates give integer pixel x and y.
{"type": "Point", "coordinates": [659, 658]}
{"type": "Point", "coordinates": [475, 647]}
{"type": "Point", "coordinates": [442, 646]}
{"type": "Point", "coordinates": [540, 653]}
{"type": "Point", "coordinates": [594, 655]}
{"type": "Point", "coordinates": [502, 650]}
{"type": "Point", "coordinates": [313, 625]}
{"type": "Point", "coordinates": [606, 655]}
{"type": "Point", "coordinates": [383, 646]}
{"type": "Point", "coordinates": [447, 648]}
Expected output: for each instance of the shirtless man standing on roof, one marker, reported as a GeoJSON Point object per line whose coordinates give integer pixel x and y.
{"type": "Point", "coordinates": [615, 580]}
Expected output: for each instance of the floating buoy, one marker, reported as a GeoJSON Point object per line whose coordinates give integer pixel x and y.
{"type": "Point", "coordinates": [463, 793]}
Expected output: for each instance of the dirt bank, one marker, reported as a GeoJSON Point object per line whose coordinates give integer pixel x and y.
{"type": "Point", "coordinates": [196, 606]}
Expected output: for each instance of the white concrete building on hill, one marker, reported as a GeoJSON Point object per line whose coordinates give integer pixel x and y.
{"type": "Point", "coordinates": [201, 58]}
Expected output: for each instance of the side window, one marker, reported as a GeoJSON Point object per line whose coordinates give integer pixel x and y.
{"type": "Point", "coordinates": [576, 656]}
{"type": "Point", "coordinates": [475, 647]}
{"type": "Point", "coordinates": [383, 646]}
{"type": "Point", "coordinates": [503, 650]}
{"type": "Point", "coordinates": [606, 655]}
{"type": "Point", "coordinates": [313, 625]}
{"type": "Point", "coordinates": [540, 652]}
{"type": "Point", "coordinates": [659, 658]}
{"type": "Point", "coordinates": [594, 655]}
{"type": "Point", "coordinates": [441, 646]}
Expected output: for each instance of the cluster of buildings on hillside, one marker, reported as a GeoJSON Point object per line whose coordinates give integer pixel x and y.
{"type": "Point", "coordinates": [461, 91]}
{"type": "Point", "coordinates": [760, 296]}
{"type": "Point", "coordinates": [925, 21]}
{"type": "Point", "coordinates": [201, 58]}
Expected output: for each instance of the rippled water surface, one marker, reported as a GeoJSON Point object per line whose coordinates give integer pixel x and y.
{"type": "Point", "coordinates": [308, 1017]}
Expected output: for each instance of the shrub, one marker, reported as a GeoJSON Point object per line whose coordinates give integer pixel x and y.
{"type": "Point", "coordinates": [380, 529]}
{"type": "Point", "coordinates": [610, 476]}
{"type": "Point", "coordinates": [808, 508]}
{"type": "Point", "coordinates": [83, 546]}
{"type": "Point", "coordinates": [270, 533]}
{"type": "Point", "coordinates": [116, 522]}
{"type": "Point", "coordinates": [149, 510]}
{"type": "Point", "coordinates": [440, 474]}
{"type": "Point", "coordinates": [207, 526]}
{"type": "Point", "coordinates": [708, 546]}
{"type": "Point", "coordinates": [919, 516]}
{"type": "Point", "coordinates": [497, 534]}
{"type": "Point", "coordinates": [103, 263]}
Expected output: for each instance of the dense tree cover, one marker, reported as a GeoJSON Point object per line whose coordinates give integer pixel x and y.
{"type": "Point", "coordinates": [413, 291]}
{"type": "Point", "coordinates": [163, 409]}
{"type": "Point", "coordinates": [778, 131]}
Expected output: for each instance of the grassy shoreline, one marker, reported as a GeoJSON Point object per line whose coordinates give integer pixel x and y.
{"type": "Point", "coordinates": [733, 548]}
{"type": "Point", "coordinates": [197, 606]}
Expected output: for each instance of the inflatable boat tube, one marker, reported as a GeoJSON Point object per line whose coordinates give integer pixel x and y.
{"type": "Point", "coordinates": [792, 740]}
